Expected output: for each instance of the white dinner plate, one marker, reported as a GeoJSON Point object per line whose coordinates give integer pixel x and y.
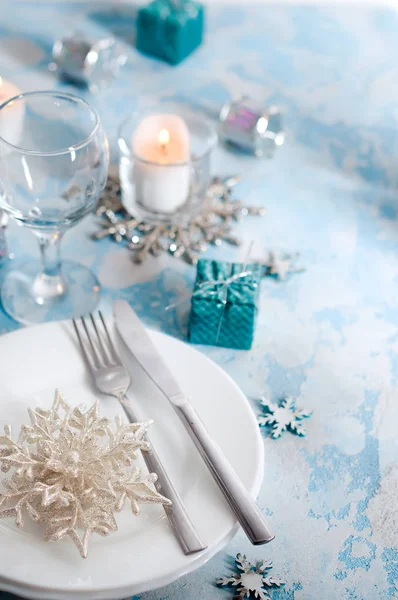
{"type": "Point", "coordinates": [143, 554]}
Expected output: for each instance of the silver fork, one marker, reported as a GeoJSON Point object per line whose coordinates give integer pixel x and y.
{"type": "Point", "coordinates": [112, 378]}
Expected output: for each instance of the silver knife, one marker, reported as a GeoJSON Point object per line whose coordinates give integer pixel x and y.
{"type": "Point", "coordinates": [140, 345]}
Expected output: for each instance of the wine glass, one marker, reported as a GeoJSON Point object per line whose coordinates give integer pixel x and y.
{"type": "Point", "coordinates": [53, 166]}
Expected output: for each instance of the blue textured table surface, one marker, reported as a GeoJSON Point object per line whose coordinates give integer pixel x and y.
{"type": "Point", "coordinates": [328, 336]}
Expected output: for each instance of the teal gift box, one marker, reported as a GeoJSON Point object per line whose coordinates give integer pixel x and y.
{"type": "Point", "coordinates": [224, 304]}
{"type": "Point", "coordinates": [170, 30]}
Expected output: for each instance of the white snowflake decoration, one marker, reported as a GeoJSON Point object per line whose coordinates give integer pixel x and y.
{"type": "Point", "coordinates": [73, 471]}
{"type": "Point", "coordinates": [284, 416]}
{"type": "Point", "coordinates": [252, 580]}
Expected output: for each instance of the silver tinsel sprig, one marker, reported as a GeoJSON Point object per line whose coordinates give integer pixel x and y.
{"type": "Point", "coordinates": [72, 470]}
{"type": "Point", "coordinates": [213, 225]}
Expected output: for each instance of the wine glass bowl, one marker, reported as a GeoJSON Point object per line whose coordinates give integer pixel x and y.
{"type": "Point", "coordinates": [53, 167]}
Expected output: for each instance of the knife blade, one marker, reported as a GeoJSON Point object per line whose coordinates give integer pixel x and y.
{"type": "Point", "coordinates": [144, 351]}
{"type": "Point", "coordinates": [141, 346]}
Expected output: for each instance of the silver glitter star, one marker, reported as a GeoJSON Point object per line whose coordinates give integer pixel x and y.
{"type": "Point", "coordinates": [283, 416]}
{"type": "Point", "coordinates": [72, 471]}
{"type": "Point", "coordinates": [213, 225]}
{"type": "Point", "coordinates": [281, 265]}
{"type": "Point", "coordinates": [252, 579]}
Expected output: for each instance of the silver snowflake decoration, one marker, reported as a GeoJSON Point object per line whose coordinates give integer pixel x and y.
{"type": "Point", "coordinates": [111, 197]}
{"type": "Point", "coordinates": [252, 580]}
{"type": "Point", "coordinates": [212, 225]}
{"type": "Point", "coordinates": [283, 416]}
{"type": "Point", "coordinates": [281, 265]}
{"type": "Point", "coordinates": [72, 470]}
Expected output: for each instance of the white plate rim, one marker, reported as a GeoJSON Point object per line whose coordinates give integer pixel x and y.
{"type": "Point", "coordinates": [194, 561]}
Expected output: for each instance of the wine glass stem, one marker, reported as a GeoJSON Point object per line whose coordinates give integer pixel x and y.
{"type": "Point", "coordinates": [49, 285]}
{"type": "Point", "coordinates": [50, 248]}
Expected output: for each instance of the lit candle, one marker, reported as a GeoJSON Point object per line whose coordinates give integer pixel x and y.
{"type": "Point", "coordinates": [162, 170]}
{"type": "Point", "coordinates": [11, 118]}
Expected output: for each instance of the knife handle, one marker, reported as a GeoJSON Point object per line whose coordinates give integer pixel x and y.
{"type": "Point", "coordinates": [177, 514]}
{"type": "Point", "coordinates": [247, 512]}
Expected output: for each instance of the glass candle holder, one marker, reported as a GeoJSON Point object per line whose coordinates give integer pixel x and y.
{"type": "Point", "coordinates": [164, 168]}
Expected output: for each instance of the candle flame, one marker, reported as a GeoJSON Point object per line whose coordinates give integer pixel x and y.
{"type": "Point", "coordinates": [164, 138]}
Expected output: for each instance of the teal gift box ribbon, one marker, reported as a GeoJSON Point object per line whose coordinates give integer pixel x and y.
{"type": "Point", "coordinates": [224, 304]}
{"type": "Point", "coordinates": [170, 30]}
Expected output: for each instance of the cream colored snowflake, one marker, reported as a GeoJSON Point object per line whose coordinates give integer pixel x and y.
{"type": "Point", "coordinates": [73, 469]}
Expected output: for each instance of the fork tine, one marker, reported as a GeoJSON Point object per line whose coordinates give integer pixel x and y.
{"type": "Point", "coordinates": [95, 355]}
{"type": "Point", "coordinates": [105, 356]}
{"type": "Point", "coordinates": [81, 344]}
{"type": "Point", "coordinates": [112, 348]}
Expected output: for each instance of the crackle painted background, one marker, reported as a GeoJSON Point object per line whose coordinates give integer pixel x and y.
{"type": "Point", "coordinates": [328, 336]}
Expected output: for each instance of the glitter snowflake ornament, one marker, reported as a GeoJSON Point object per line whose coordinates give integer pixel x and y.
{"type": "Point", "coordinates": [253, 581]}
{"type": "Point", "coordinates": [212, 225]}
{"type": "Point", "coordinates": [72, 470]}
{"type": "Point", "coordinates": [283, 416]}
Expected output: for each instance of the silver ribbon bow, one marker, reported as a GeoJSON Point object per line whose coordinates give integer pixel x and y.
{"type": "Point", "coordinates": [221, 286]}
{"type": "Point", "coordinates": [223, 283]}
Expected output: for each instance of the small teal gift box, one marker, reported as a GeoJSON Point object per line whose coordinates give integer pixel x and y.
{"type": "Point", "coordinates": [170, 29]}
{"type": "Point", "coordinates": [224, 304]}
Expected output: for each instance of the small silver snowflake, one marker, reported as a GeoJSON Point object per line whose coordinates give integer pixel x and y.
{"type": "Point", "coordinates": [253, 580]}
{"type": "Point", "coordinates": [281, 265]}
{"type": "Point", "coordinates": [283, 416]}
